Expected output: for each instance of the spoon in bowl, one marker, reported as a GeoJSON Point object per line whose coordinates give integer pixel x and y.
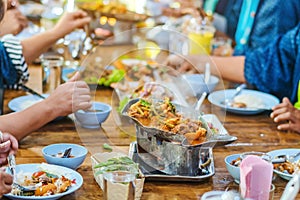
{"type": "Point", "coordinates": [67, 153]}
{"type": "Point", "coordinates": [284, 158]}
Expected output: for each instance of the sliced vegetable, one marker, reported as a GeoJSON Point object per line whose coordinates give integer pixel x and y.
{"type": "Point", "coordinates": [107, 147]}
{"type": "Point", "coordinates": [145, 103]}
{"type": "Point", "coordinates": [37, 174]}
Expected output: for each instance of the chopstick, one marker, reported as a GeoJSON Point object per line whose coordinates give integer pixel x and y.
{"type": "Point", "coordinates": [27, 89]}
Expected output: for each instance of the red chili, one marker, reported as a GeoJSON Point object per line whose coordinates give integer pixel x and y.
{"type": "Point", "coordinates": [37, 174]}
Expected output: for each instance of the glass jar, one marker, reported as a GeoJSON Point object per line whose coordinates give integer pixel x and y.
{"type": "Point", "coordinates": [200, 35]}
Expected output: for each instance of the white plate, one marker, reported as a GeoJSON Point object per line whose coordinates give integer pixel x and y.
{"type": "Point", "coordinates": [218, 97]}
{"type": "Point", "coordinates": [68, 173]}
{"type": "Point", "coordinates": [278, 152]}
{"type": "Point", "coordinates": [132, 62]}
{"type": "Point", "coordinates": [23, 102]}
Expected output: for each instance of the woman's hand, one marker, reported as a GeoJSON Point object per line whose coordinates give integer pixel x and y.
{"type": "Point", "coordinates": [6, 181]}
{"type": "Point", "coordinates": [8, 145]}
{"type": "Point", "coordinates": [70, 21]}
{"type": "Point", "coordinates": [71, 96]}
{"type": "Point", "coordinates": [286, 114]}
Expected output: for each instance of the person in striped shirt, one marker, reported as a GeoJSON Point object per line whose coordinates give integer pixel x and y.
{"type": "Point", "coordinates": [66, 99]}
{"type": "Point", "coordinates": [27, 50]}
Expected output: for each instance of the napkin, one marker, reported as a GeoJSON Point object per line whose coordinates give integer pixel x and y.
{"type": "Point", "coordinates": [255, 178]}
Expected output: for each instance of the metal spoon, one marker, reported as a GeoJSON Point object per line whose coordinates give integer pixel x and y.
{"type": "Point", "coordinates": [12, 167]}
{"type": "Point", "coordinates": [238, 90]}
{"type": "Point", "coordinates": [284, 158]}
{"type": "Point", "coordinates": [67, 153]}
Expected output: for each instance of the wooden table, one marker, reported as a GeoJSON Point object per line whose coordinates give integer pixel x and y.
{"type": "Point", "coordinates": [255, 133]}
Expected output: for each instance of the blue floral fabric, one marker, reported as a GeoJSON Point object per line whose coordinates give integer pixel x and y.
{"type": "Point", "coordinates": [272, 18]}
{"type": "Point", "coordinates": [275, 68]}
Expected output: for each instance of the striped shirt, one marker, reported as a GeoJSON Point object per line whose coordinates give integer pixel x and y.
{"type": "Point", "coordinates": [14, 49]}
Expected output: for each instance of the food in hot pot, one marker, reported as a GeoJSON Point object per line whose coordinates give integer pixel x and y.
{"type": "Point", "coordinates": [164, 116]}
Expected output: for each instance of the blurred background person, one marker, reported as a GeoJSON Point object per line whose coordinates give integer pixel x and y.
{"type": "Point", "coordinates": [67, 98]}
{"type": "Point", "coordinates": [14, 21]}
{"type": "Point", "coordinates": [273, 69]}
{"type": "Point", "coordinates": [27, 50]}
{"type": "Point", "coordinates": [255, 23]}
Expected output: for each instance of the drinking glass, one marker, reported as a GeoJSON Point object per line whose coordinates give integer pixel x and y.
{"type": "Point", "coordinates": [200, 40]}
{"type": "Point", "coordinates": [262, 193]}
{"type": "Point", "coordinates": [263, 155]}
{"type": "Point", "coordinates": [52, 72]}
{"type": "Point", "coordinates": [119, 182]}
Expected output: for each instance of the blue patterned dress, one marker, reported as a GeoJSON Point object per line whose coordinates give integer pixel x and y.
{"type": "Point", "coordinates": [275, 68]}
{"type": "Point", "coordinates": [272, 18]}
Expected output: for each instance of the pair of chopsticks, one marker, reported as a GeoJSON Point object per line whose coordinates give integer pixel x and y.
{"type": "Point", "coordinates": [27, 89]}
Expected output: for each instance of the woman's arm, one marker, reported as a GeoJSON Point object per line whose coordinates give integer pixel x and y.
{"type": "Point", "coordinates": [229, 68]}
{"type": "Point", "coordinates": [36, 45]}
{"type": "Point", "coordinates": [66, 99]}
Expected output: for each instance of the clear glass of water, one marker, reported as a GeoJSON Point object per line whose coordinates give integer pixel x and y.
{"type": "Point", "coordinates": [52, 72]}
{"type": "Point", "coordinates": [119, 182]}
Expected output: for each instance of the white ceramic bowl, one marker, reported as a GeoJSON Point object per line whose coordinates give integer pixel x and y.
{"type": "Point", "coordinates": [197, 84]}
{"type": "Point", "coordinates": [234, 171]}
{"type": "Point", "coordinates": [78, 154]}
{"type": "Point", "coordinates": [93, 119]}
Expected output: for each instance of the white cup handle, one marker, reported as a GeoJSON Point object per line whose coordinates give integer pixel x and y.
{"type": "Point", "coordinates": [292, 188]}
